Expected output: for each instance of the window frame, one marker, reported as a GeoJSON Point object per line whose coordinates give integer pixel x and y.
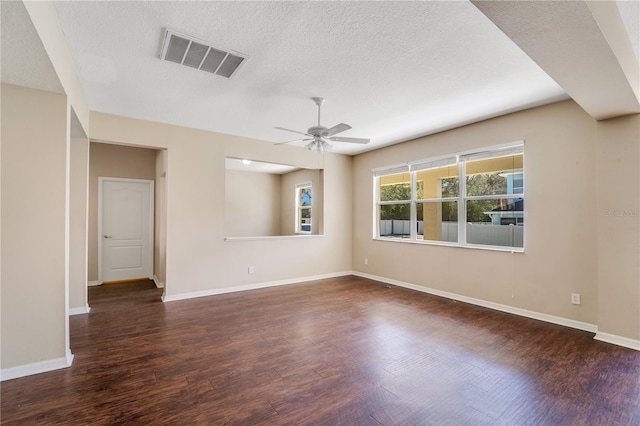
{"type": "Point", "coordinates": [299, 208]}
{"type": "Point", "coordinates": [460, 160]}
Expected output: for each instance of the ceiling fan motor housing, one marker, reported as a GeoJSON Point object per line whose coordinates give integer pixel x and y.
{"type": "Point", "coordinates": [317, 131]}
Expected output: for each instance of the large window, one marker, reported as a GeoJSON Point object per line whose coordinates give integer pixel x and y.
{"type": "Point", "coordinates": [472, 199]}
{"type": "Point", "coordinates": [303, 208]}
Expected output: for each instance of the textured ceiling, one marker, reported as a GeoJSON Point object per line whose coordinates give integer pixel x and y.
{"type": "Point", "coordinates": [392, 70]}
{"type": "Point", "coordinates": [583, 46]}
{"type": "Point", "coordinates": [24, 59]}
{"type": "Point", "coordinates": [630, 13]}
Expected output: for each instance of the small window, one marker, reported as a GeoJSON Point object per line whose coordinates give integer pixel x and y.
{"type": "Point", "coordinates": [303, 208]}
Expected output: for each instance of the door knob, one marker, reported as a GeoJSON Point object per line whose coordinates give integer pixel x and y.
{"type": "Point", "coordinates": [108, 236]}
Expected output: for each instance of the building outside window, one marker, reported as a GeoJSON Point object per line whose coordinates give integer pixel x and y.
{"type": "Point", "coordinates": [468, 199]}
{"type": "Point", "coordinates": [303, 207]}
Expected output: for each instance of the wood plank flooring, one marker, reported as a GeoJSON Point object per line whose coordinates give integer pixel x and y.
{"type": "Point", "coordinates": [344, 351]}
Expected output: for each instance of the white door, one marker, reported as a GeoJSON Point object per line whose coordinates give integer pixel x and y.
{"type": "Point", "coordinates": [126, 229]}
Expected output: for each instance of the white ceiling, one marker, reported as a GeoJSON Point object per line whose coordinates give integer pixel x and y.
{"type": "Point", "coordinates": [630, 13]}
{"type": "Point", "coordinates": [392, 70]}
{"type": "Point", "coordinates": [24, 59]}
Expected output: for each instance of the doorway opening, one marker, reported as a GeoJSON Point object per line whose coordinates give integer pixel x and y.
{"type": "Point", "coordinates": [127, 214]}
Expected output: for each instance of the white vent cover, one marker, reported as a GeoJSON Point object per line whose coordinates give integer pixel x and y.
{"type": "Point", "coordinates": [194, 53]}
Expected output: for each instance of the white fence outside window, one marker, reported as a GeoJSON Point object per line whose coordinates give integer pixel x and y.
{"type": "Point", "coordinates": [477, 233]}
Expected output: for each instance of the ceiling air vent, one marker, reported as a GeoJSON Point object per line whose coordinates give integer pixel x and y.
{"type": "Point", "coordinates": [194, 53]}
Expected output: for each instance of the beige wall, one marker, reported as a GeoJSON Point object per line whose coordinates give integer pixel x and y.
{"type": "Point", "coordinates": [563, 255]}
{"type": "Point", "coordinates": [198, 259]}
{"type": "Point", "coordinates": [34, 146]}
{"type": "Point", "coordinates": [572, 245]}
{"type": "Point", "coordinates": [160, 237]}
{"type": "Point", "coordinates": [560, 255]}
{"type": "Point", "coordinates": [107, 160]}
{"type": "Point", "coordinates": [79, 169]}
{"type": "Point", "coordinates": [618, 191]}
{"type": "Point", "coordinates": [252, 204]}
{"type": "Point", "coordinates": [292, 257]}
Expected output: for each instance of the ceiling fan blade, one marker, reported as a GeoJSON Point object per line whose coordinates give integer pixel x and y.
{"type": "Point", "coordinates": [292, 131]}
{"type": "Point", "coordinates": [350, 140]}
{"type": "Point", "coordinates": [336, 129]}
{"type": "Point", "coordinates": [295, 140]}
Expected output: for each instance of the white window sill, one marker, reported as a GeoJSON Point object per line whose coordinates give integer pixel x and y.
{"type": "Point", "coordinates": [446, 244]}
{"type": "Point", "coordinates": [273, 237]}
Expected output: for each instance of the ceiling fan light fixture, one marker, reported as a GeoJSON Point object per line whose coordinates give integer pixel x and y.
{"type": "Point", "coordinates": [319, 145]}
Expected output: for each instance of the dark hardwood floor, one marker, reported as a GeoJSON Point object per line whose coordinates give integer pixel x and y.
{"type": "Point", "coordinates": [345, 351]}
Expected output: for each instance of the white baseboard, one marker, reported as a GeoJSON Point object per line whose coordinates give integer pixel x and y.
{"type": "Point", "coordinates": [618, 340]}
{"type": "Point", "coordinates": [36, 367]}
{"type": "Point", "coordinates": [566, 322]}
{"type": "Point", "coordinates": [93, 283]}
{"type": "Point", "coordinates": [79, 311]}
{"type": "Point", "coordinates": [213, 292]}
{"type": "Point", "coordinates": [159, 284]}
{"type": "Point", "coordinates": [592, 328]}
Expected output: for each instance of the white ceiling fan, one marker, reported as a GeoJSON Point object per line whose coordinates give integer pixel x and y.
{"type": "Point", "coordinates": [320, 135]}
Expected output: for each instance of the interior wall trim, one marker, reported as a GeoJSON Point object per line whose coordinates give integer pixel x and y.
{"type": "Point", "coordinates": [93, 283]}
{"type": "Point", "coordinates": [618, 340]}
{"type": "Point", "coordinates": [592, 328]}
{"type": "Point", "coordinates": [79, 311]}
{"type": "Point", "coordinates": [36, 367]}
{"type": "Point", "coordinates": [213, 292]}
{"type": "Point", "coordinates": [159, 284]}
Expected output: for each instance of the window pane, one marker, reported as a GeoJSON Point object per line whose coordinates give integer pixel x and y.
{"type": "Point", "coordinates": [419, 189]}
{"type": "Point", "coordinates": [305, 197]}
{"type": "Point", "coordinates": [437, 183]}
{"type": "Point", "coordinates": [305, 223]}
{"type": "Point", "coordinates": [438, 221]}
{"type": "Point", "coordinates": [395, 221]}
{"type": "Point", "coordinates": [495, 176]}
{"type": "Point", "coordinates": [395, 187]}
{"type": "Point", "coordinates": [450, 187]}
{"type": "Point", "coordinates": [496, 222]}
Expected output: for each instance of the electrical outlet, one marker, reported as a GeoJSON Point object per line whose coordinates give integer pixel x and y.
{"type": "Point", "coordinates": [575, 298]}
{"type": "Point", "coordinates": [366, 261]}
{"type": "Point", "coordinates": [250, 270]}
